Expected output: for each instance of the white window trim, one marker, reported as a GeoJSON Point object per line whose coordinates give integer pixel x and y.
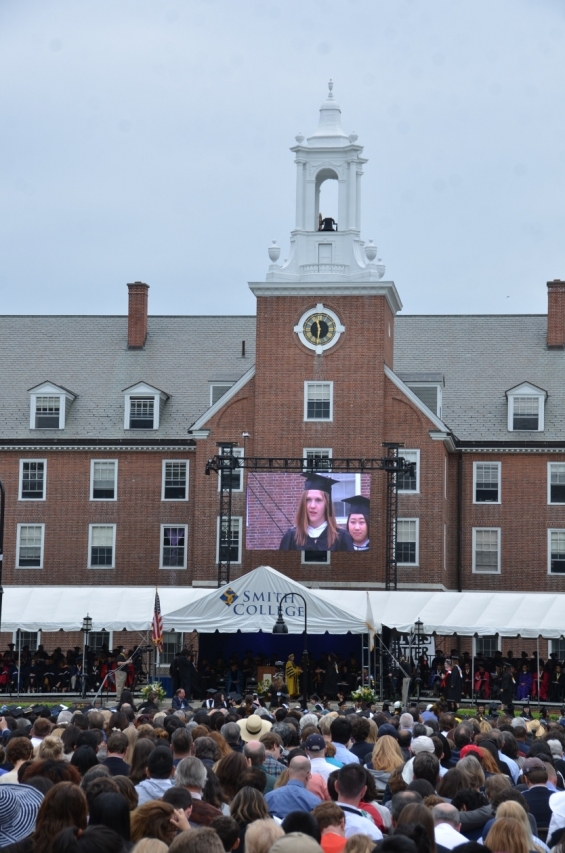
{"type": "Point", "coordinates": [498, 643]}
{"type": "Point", "coordinates": [526, 390]}
{"type": "Point", "coordinates": [227, 385]}
{"type": "Point", "coordinates": [417, 563]}
{"type": "Point", "coordinates": [439, 394]}
{"type": "Point", "coordinates": [305, 562]}
{"type": "Point", "coordinates": [488, 503]}
{"type": "Point", "coordinates": [549, 532]}
{"type": "Point", "coordinates": [50, 390]}
{"type": "Point", "coordinates": [499, 550]}
{"type": "Point", "coordinates": [109, 635]}
{"type": "Point", "coordinates": [42, 554]}
{"type": "Point", "coordinates": [20, 488]}
{"type": "Point", "coordinates": [238, 452]}
{"type": "Point", "coordinates": [145, 391]}
{"type": "Point", "coordinates": [101, 568]}
{"type": "Point", "coordinates": [92, 498]}
{"type": "Point", "coordinates": [15, 638]}
{"type": "Point", "coordinates": [549, 501]}
{"type": "Point", "coordinates": [328, 450]}
{"type": "Point", "coordinates": [163, 470]}
{"type": "Point", "coordinates": [239, 520]}
{"type": "Point", "coordinates": [309, 382]}
{"type": "Point", "coordinates": [401, 452]}
{"type": "Point", "coordinates": [162, 544]}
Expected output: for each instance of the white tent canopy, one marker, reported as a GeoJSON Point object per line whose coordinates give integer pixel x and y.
{"type": "Point", "coordinates": [509, 614]}
{"type": "Point", "coordinates": [251, 604]}
{"type": "Point", "coordinates": [255, 607]}
{"type": "Point", "coordinates": [113, 608]}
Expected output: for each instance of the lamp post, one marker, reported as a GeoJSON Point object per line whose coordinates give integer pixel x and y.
{"type": "Point", "coordinates": [280, 627]}
{"type": "Point", "coordinates": [418, 625]}
{"type": "Point", "coordinates": [86, 629]}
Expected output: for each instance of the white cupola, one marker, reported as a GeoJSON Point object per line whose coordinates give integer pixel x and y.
{"type": "Point", "coordinates": [322, 249]}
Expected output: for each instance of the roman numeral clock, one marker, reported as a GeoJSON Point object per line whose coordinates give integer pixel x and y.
{"type": "Point", "coordinates": [319, 328]}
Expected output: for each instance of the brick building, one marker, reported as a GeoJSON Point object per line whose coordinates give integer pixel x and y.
{"type": "Point", "coordinates": [107, 422]}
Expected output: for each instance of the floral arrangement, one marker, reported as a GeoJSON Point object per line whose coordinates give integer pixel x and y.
{"type": "Point", "coordinates": [364, 694]}
{"type": "Point", "coordinates": [263, 687]}
{"type": "Point", "coordinates": [157, 688]}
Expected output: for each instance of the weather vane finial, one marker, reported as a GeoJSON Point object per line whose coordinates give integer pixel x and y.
{"type": "Point", "coordinates": [330, 87]}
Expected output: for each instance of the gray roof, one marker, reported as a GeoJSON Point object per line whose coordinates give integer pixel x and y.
{"type": "Point", "coordinates": [478, 357]}
{"type": "Point", "coordinates": [89, 354]}
{"type": "Point", "coordinates": [482, 357]}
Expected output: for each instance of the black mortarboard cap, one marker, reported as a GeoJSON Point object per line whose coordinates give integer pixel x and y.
{"type": "Point", "coordinates": [317, 481]}
{"type": "Point", "coordinates": [358, 505]}
{"type": "Point", "coordinates": [237, 697]}
{"type": "Point", "coordinates": [211, 690]}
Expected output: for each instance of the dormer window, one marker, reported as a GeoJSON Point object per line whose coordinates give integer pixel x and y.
{"type": "Point", "coordinates": [427, 387]}
{"type": "Point", "coordinates": [526, 406]}
{"type": "Point", "coordinates": [143, 406]}
{"type": "Point", "coordinates": [48, 406]}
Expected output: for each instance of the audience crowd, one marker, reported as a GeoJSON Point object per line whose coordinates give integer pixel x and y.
{"type": "Point", "coordinates": [246, 779]}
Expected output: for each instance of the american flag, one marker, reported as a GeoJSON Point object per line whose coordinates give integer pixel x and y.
{"type": "Point", "coordinates": [157, 625]}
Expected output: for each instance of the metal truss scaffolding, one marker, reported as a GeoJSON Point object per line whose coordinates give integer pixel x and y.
{"type": "Point", "coordinates": [224, 463]}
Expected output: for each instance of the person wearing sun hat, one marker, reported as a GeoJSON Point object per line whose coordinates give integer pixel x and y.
{"type": "Point", "coordinates": [19, 805]}
{"type": "Point", "coordinates": [358, 521]}
{"type": "Point", "coordinates": [253, 727]}
{"type": "Point", "coordinates": [315, 527]}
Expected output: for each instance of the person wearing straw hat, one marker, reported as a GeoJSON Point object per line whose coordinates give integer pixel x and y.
{"type": "Point", "coordinates": [358, 521]}
{"type": "Point", "coordinates": [252, 727]}
{"type": "Point", "coordinates": [19, 805]}
{"type": "Point", "coordinates": [315, 527]}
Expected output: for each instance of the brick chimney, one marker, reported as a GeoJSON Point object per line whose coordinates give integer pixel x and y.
{"type": "Point", "coordinates": [556, 314]}
{"type": "Point", "coordinates": [137, 315]}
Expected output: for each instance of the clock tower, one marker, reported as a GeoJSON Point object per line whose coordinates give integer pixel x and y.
{"type": "Point", "coordinates": [325, 317]}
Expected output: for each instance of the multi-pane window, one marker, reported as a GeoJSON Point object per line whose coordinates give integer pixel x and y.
{"type": "Point", "coordinates": [229, 544]}
{"type": "Point", "coordinates": [556, 482]}
{"type": "Point", "coordinates": [486, 550]}
{"type": "Point", "coordinates": [486, 645]}
{"type": "Point", "coordinates": [318, 398]}
{"type": "Point", "coordinates": [526, 413]}
{"type": "Point", "coordinates": [141, 412]}
{"type": "Point", "coordinates": [487, 482]}
{"type": "Point", "coordinates": [173, 546]}
{"type": "Point", "coordinates": [407, 542]}
{"type": "Point", "coordinates": [32, 479]}
{"type": "Point", "coordinates": [175, 481]}
{"type": "Point", "coordinates": [102, 546]}
{"type": "Point", "coordinates": [558, 646]}
{"type": "Point", "coordinates": [409, 481]}
{"type": "Point", "coordinates": [103, 479]}
{"type": "Point", "coordinates": [172, 645]}
{"type": "Point", "coordinates": [47, 412]}
{"type": "Point", "coordinates": [235, 473]}
{"type": "Point", "coordinates": [217, 391]}
{"type": "Point", "coordinates": [97, 640]}
{"type": "Point", "coordinates": [556, 552]}
{"type": "Point", "coordinates": [30, 546]}
{"type": "Point", "coordinates": [21, 639]}
{"type": "Point", "coordinates": [320, 457]}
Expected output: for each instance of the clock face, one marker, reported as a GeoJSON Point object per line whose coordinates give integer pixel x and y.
{"type": "Point", "coordinates": [319, 329]}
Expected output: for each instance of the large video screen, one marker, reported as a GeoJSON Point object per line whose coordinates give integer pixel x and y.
{"type": "Point", "coordinates": [308, 512]}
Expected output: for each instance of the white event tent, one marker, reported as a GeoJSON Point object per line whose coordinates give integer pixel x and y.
{"type": "Point", "coordinates": [250, 604]}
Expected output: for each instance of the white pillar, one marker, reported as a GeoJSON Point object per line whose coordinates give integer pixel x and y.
{"type": "Point", "coordinates": [358, 174]}
{"type": "Point", "coordinates": [352, 181]}
{"type": "Point", "coordinates": [300, 173]}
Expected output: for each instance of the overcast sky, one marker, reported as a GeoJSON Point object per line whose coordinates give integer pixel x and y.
{"type": "Point", "coordinates": [149, 140]}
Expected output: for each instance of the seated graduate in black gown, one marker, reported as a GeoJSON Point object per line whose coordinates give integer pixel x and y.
{"type": "Point", "coordinates": [315, 527]}
{"type": "Point", "coordinates": [358, 521]}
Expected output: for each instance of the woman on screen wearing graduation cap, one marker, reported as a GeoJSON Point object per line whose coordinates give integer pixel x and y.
{"type": "Point", "coordinates": [358, 521]}
{"type": "Point", "coordinates": [315, 527]}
